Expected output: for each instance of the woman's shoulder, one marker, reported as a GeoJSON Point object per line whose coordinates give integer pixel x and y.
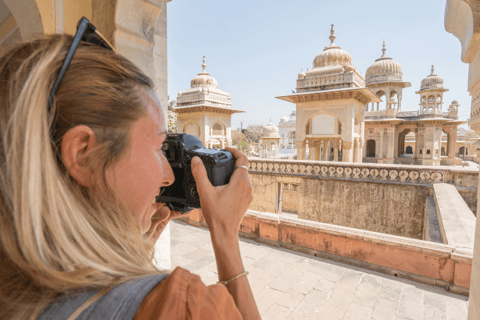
{"type": "Point", "coordinates": [183, 295]}
{"type": "Point", "coordinates": [119, 303]}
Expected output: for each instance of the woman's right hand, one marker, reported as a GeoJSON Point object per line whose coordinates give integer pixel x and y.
{"type": "Point", "coordinates": [224, 206]}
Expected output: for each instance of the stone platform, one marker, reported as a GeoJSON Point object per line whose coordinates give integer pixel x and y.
{"type": "Point", "coordinates": [292, 285]}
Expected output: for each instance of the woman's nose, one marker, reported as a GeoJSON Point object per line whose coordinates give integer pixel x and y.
{"type": "Point", "coordinates": [168, 176]}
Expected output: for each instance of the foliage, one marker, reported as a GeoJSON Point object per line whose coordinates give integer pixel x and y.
{"type": "Point", "coordinates": [240, 141]}
{"type": "Point", "coordinates": [253, 133]}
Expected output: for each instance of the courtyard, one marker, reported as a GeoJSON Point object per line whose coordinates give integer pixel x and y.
{"type": "Point", "coordinates": [292, 285]}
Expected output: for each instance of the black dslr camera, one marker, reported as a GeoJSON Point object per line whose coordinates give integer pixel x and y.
{"type": "Point", "coordinates": [179, 150]}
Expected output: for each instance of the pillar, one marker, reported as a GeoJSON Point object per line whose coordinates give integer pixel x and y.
{"type": "Point", "coordinates": [391, 143]}
{"type": "Point", "coordinates": [325, 150]}
{"type": "Point", "coordinates": [399, 99]}
{"type": "Point", "coordinates": [347, 151]}
{"type": "Point", "coordinates": [312, 152]}
{"type": "Point", "coordinates": [300, 150]}
{"type": "Point", "coordinates": [415, 152]}
{"type": "Point", "coordinates": [335, 150]}
{"type": "Point", "coordinates": [453, 143]}
{"type": "Point", "coordinates": [380, 149]}
{"type": "Point", "coordinates": [378, 106]}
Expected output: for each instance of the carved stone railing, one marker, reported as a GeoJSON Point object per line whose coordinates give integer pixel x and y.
{"type": "Point", "coordinates": [414, 175]}
{"type": "Point", "coordinates": [407, 114]}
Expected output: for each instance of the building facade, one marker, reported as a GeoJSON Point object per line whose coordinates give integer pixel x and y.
{"type": "Point", "coordinates": [330, 107]}
{"type": "Point", "coordinates": [206, 111]}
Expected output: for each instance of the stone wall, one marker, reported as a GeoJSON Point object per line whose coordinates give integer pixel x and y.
{"type": "Point", "coordinates": [375, 197]}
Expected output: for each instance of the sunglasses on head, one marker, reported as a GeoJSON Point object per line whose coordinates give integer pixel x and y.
{"type": "Point", "coordinates": [87, 32]}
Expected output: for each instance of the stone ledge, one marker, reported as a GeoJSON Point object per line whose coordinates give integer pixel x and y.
{"type": "Point", "coordinates": [432, 263]}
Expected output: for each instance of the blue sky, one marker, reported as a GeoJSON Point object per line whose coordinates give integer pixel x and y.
{"type": "Point", "coordinates": [255, 49]}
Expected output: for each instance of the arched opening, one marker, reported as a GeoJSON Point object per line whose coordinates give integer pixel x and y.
{"type": "Point", "coordinates": [461, 151]}
{"type": "Point", "coordinates": [291, 140]}
{"type": "Point", "coordinates": [442, 151]}
{"type": "Point", "coordinates": [192, 128]}
{"type": "Point", "coordinates": [323, 124]}
{"type": "Point", "coordinates": [371, 148]}
{"type": "Point", "coordinates": [218, 129]}
{"type": "Point", "coordinates": [409, 150]}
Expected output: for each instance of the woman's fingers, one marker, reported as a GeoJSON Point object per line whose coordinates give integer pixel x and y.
{"type": "Point", "coordinates": [200, 175]}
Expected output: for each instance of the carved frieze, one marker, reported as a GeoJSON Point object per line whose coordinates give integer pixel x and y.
{"type": "Point", "coordinates": [413, 176]}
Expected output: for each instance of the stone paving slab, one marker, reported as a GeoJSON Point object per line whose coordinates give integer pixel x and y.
{"type": "Point", "coordinates": [292, 285]}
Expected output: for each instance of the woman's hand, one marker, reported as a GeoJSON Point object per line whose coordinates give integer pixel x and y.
{"type": "Point", "coordinates": [224, 206]}
{"type": "Point", "coordinates": [160, 219]}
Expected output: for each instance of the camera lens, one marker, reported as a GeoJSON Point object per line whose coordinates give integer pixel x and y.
{"type": "Point", "coordinates": [194, 192]}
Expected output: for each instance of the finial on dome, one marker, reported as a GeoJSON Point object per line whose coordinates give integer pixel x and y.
{"type": "Point", "coordinates": [433, 68]}
{"type": "Point", "coordinates": [204, 65]}
{"type": "Point", "coordinates": [271, 120]}
{"type": "Point", "coordinates": [332, 35]}
{"type": "Point", "coordinates": [384, 49]}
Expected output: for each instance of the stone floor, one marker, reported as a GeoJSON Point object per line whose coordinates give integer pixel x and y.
{"type": "Point", "coordinates": [292, 285]}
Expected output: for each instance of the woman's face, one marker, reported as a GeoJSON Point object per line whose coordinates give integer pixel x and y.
{"type": "Point", "coordinates": [138, 175]}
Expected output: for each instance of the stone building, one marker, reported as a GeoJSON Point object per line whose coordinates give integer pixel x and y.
{"type": "Point", "coordinates": [270, 141]}
{"type": "Point", "coordinates": [386, 129]}
{"type": "Point", "coordinates": [330, 106]}
{"type": "Point", "coordinates": [287, 131]}
{"type": "Point", "coordinates": [206, 111]}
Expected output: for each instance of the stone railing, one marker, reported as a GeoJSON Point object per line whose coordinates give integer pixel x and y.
{"type": "Point", "coordinates": [407, 114]}
{"type": "Point", "coordinates": [413, 175]}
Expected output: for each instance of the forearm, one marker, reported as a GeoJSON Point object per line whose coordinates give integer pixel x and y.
{"type": "Point", "coordinates": [229, 264]}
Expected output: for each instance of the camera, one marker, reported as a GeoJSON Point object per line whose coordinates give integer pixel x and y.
{"type": "Point", "coordinates": [179, 149]}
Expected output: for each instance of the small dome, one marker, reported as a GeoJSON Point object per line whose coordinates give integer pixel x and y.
{"type": "Point", "coordinates": [284, 119]}
{"type": "Point", "coordinates": [301, 75]}
{"type": "Point", "coordinates": [432, 82]}
{"type": "Point", "coordinates": [383, 69]}
{"type": "Point", "coordinates": [332, 55]}
{"type": "Point", "coordinates": [204, 79]}
{"type": "Point", "coordinates": [454, 103]}
{"type": "Point", "coordinates": [270, 130]}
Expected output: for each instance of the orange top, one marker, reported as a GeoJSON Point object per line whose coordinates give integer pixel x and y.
{"type": "Point", "coordinates": [183, 295]}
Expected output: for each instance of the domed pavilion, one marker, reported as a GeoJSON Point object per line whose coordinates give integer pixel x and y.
{"type": "Point", "coordinates": [206, 111]}
{"type": "Point", "coordinates": [384, 77]}
{"type": "Point", "coordinates": [270, 141]}
{"type": "Point", "coordinates": [330, 104]}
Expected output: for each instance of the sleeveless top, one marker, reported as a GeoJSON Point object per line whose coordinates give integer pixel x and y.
{"type": "Point", "coordinates": [120, 303]}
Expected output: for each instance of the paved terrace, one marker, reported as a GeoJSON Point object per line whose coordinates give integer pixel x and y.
{"type": "Point", "coordinates": [292, 285]}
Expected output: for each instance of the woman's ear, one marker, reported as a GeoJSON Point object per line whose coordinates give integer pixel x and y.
{"type": "Point", "coordinates": [76, 144]}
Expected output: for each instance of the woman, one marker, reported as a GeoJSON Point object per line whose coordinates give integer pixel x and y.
{"type": "Point", "coordinates": [80, 167]}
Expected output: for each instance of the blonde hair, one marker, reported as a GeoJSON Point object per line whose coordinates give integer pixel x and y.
{"type": "Point", "coordinates": [55, 235]}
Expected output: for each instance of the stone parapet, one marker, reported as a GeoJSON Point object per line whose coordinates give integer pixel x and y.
{"type": "Point", "coordinates": [391, 173]}
{"type": "Point", "coordinates": [427, 262]}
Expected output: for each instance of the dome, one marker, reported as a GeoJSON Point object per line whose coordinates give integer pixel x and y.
{"type": "Point", "coordinates": [301, 75]}
{"type": "Point", "coordinates": [204, 79]}
{"type": "Point", "coordinates": [270, 131]}
{"type": "Point", "coordinates": [432, 82]}
{"type": "Point", "coordinates": [384, 69]}
{"type": "Point", "coordinates": [454, 103]}
{"type": "Point", "coordinates": [332, 55]}
{"type": "Point", "coordinates": [284, 119]}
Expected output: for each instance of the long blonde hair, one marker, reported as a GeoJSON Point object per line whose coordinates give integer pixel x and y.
{"type": "Point", "coordinates": [55, 235]}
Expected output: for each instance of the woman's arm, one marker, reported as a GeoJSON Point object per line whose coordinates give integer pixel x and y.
{"type": "Point", "coordinates": [223, 209]}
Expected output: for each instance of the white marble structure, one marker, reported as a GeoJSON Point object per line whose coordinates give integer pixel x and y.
{"type": "Point", "coordinates": [287, 131]}
{"type": "Point", "coordinates": [270, 143]}
{"type": "Point", "coordinates": [206, 111]}
{"type": "Point", "coordinates": [330, 106]}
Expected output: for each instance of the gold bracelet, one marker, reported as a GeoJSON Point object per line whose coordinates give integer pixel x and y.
{"type": "Point", "coordinates": [234, 278]}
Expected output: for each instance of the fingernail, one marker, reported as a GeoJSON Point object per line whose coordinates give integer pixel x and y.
{"type": "Point", "coordinates": [196, 160]}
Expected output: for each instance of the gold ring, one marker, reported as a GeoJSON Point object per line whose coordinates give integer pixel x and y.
{"type": "Point", "coordinates": [244, 167]}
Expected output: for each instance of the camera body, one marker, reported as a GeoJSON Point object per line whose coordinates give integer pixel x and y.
{"type": "Point", "coordinates": [179, 149]}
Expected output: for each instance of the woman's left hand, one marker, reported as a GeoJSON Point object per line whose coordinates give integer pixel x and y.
{"type": "Point", "coordinates": [160, 219]}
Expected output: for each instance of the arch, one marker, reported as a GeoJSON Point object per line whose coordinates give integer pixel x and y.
{"type": "Point", "coordinates": [431, 99]}
{"type": "Point", "coordinates": [371, 148]}
{"type": "Point", "coordinates": [409, 150]}
{"type": "Point", "coordinates": [28, 18]}
{"type": "Point", "coordinates": [192, 127]}
{"type": "Point", "coordinates": [218, 128]}
{"type": "Point", "coordinates": [291, 140]}
{"type": "Point", "coordinates": [439, 99]}
{"type": "Point", "coordinates": [337, 122]}
{"type": "Point", "coordinates": [461, 151]}
{"type": "Point", "coordinates": [424, 100]}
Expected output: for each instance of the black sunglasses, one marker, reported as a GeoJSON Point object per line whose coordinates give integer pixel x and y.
{"type": "Point", "coordinates": [87, 32]}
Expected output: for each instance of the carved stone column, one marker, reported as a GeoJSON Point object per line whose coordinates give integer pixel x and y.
{"type": "Point", "coordinates": [312, 151]}
{"type": "Point", "coordinates": [347, 152]}
{"type": "Point", "coordinates": [335, 150]}
{"type": "Point", "coordinates": [300, 150]}
{"type": "Point", "coordinates": [380, 149]}
{"type": "Point", "coordinates": [325, 150]}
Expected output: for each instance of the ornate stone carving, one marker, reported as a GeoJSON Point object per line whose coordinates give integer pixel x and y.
{"type": "Point", "coordinates": [362, 172]}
